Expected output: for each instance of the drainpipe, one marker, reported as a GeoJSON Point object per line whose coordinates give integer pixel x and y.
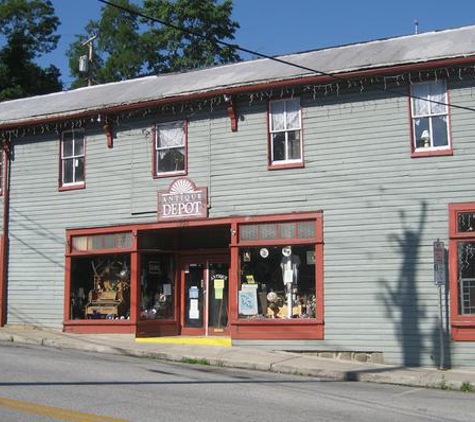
{"type": "Point", "coordinates": [5, 150]}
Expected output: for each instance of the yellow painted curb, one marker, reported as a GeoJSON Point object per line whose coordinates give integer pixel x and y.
{"type": "Point", "coordinates": [204, 341]}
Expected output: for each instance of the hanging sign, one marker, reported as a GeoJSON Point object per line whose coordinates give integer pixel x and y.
{"type": "Point", "coordinates": [182, 200]}
{"type": "Point", "coordinates": [439, 263]}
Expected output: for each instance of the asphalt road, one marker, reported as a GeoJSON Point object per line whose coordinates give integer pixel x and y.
{"type": "Point", "coordinates": [43, 384]}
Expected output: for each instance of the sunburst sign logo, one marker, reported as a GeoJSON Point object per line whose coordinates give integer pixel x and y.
{"type": "Point", "coordinates": [182, 200]}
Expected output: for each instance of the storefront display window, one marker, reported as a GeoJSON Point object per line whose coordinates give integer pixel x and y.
{"type": "Point", "coordinates": [462, 271]}
{"type": "Point", "coordinates": [277, 282]}
{"type": "Point", "coordinates": [157, 287]}
{"type": "Point", "coordinates": [100, 287]}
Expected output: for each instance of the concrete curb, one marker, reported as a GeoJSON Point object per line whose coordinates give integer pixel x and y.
{"type": "Point", "coordinates": [278, 362]}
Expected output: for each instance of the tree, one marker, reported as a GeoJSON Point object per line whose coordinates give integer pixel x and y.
{"type": "Point", "coordinates": [29, 28]}
{"type": "Point", "coordinates": [128, 47]}
{"type": "Point", "coordinates": [117, 56]}
{"type": "Point", "coordinates": [170, 50]}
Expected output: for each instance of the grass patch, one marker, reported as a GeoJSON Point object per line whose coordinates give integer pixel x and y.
{"type": "Point", "coordinates": [195, 361]}
{"type": "Point", "coordinates": [467, 387]}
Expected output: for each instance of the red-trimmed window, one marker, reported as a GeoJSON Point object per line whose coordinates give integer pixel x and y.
{"type": "Point", "coordinates": [73, 159]}
{"type": "Point", "coordinates": [170, 146]}
{"type": "Point", "coordinates": [430, 119]}
{"type": "Point", "coordinates": [280, 268]}
{"type": "Point", "coordinates": [462, 271]}
{"type": "Point", "coordinates": [1, 171]}
{"type": "Point", "coordinates": [285, 133]}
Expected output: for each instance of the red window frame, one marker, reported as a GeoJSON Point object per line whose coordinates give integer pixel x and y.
{"type": "Point", "coordinates": [155, 173]}
{"type": "Point", "coordinates": [273, 165]}
{"type": "Point", "coordinates": [2, 163]}
{"type": "Point", "coordinates": [431, 151]}
{"type": "Point", "coordinates": [76, 185]}
{"type": "Point", "coordinates": [462, 326]}
{"type": "Point", "coordinates": [283, 329]}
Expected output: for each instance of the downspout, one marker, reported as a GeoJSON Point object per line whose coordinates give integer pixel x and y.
{"type": "Point", "coordinates": [5, 150]}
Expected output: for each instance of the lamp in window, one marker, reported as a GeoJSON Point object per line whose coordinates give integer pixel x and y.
{"type": "Point", "coordinates": [425, 139]}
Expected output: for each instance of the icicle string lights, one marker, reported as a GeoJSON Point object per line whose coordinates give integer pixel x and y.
{"type": "Point", "coordinates": [316, 91]}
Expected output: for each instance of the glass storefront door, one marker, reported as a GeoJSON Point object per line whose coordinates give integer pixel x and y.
{"type": "Point", "coordinates": [205, 286]}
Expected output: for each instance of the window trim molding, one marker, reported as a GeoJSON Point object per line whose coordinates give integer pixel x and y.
{"type": "Point", "coordinates": [462, 326]}
{"type": "Point", "coordinates": [284, 164]}
{"type": "Point", "coordinates": [431, 151]}
{"type": "Point", "coordinates": [183, 172]}
{"type": "Point", "coordinates": [75, 185]}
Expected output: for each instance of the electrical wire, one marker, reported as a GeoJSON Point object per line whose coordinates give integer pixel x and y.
{"type": "Point", "coordinates": [273, 58]}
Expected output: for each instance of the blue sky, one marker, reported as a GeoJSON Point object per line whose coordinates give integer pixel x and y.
{"type": "Point", "coordinates": [278, 27]}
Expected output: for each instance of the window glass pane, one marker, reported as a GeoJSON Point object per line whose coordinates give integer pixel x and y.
{"type": "Point", "coordinates": [294, 145]}
{"type": "Point", "coordinates": [421, 126]}
{"type": "Point", "coordinates": [466, 281]}
{"type": "Point", "coordinates": [171, 160]}
{"type": "Point", "coordinates": [306, 229]}
{"type": "Point", "coordinates": [68, 170]}
{"type": "Point", "coordinates": [157, 287]}
{"type": "Point", "coordinates": [249, 232]}
{"type": "Point", "coordinates": [420, 91]}
{"type": "Point", "coordinates": [278, 140]}
{"type": "Point", "coordinates": [273, 231]}
{"type": "Point", "coordinates": [293, 114]}
{"type": "Point", "coordinates": [170, 135]}
{"type": "Point", "coordinates": [67, 146]}
{"type": "Point", "coordinates": [268, 231]}
{"type": "Point", "coordinates": [277, 115]}
{"type": "Point", "coordinates": [100, 287]}
{"type": "Point", "coordinates": [277, 282]}
{"type": "Point", "coordinates": [438, 93]}
{"type": "Point", "coordinates": [79, 162]}
{"type": "Point", "coordinates": [287, 230]}
{"type": "Point", "coordinates": [79, 144]}
{"type": "Point", "coordinates": [439, 134]}
{"type": "Point", "coordinates": [466, 222]}
{"type": "Point", "coordinates": [102, 241]}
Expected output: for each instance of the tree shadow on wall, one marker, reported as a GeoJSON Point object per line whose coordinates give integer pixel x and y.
{"type": "Point", "coordinates": [401, 299]}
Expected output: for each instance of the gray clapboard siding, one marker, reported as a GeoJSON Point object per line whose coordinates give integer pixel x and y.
{"type": "Point", "coordinates": [358, 170]}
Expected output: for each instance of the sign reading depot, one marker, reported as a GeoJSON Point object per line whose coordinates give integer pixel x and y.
{"type": "Point", "coordinates": [182, 200]}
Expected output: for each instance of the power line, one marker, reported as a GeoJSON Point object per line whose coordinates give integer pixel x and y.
{"type": "Point", "coordinates": [275, 59]}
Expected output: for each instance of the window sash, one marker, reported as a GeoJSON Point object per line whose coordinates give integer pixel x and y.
{"type": "Point", "coordinates": [285, 120]}
{"type": "Point", "coordinates": [433, 117]}
{"type": "Point", "coordinates": [73, 157]}
{"type": "Point", "coordinates": [170, 138]}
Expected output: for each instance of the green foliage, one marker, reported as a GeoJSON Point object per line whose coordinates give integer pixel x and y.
{"type": "Point", "coordinates": [29, 28]}
{"type": "Point", "coordinates": [195, 361]}
{"type": "Point", "coordinates": [467, 387]}
{"type": "Point", "coordinates": [170, 50]}
{"type": "Point", "coordinates": [117, 55]}
{"type": "Point", "coordinates": [128, 47]}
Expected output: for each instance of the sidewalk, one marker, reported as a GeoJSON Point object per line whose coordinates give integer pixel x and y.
{"type": "Point", "coordinates": [243, 358]}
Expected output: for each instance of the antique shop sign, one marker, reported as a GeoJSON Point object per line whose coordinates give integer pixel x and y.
{"type": "Point", "coordinates": [182, 200]}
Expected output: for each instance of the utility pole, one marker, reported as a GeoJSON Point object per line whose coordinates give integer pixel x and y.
{"type": "Point", "coordinates": [85, 62]}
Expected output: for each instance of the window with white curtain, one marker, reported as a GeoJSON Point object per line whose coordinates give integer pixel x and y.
{"type": "Point", "coordinates": [73, 158]}
{"type": "Point", "coordinates": [430, 116]}
{"type": "Point", "coordinates": [170, 148]}
{"type": "Point", "coordinates": [285, 132]}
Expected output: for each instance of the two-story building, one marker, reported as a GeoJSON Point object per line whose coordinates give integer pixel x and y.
{"type": "Point", "coordinates": [309, 203]}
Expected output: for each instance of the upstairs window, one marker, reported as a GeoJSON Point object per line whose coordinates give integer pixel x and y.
{"type": "Point", "coordinates": [285, 133]}
{"type": "Point", "coordinates": [170, 149]}
{"type": "Point", "coordinates": [73, 159]}
{"type": "Point", "coordinates": [430, 118]}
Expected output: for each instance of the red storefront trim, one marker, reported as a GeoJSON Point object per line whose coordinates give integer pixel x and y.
{"type": "Point", "coordinates": [290, 329]}
{"type": "Point", "coordinates": [462, 326]}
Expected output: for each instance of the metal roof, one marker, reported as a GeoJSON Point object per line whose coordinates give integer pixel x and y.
{"type": "Point", "coordinates": [411, 49]}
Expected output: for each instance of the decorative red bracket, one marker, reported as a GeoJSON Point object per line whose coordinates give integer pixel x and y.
{"type": "Point", "coordinates": [109, 134]}
{"type": "Point", "coordinates": [232, 113]}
